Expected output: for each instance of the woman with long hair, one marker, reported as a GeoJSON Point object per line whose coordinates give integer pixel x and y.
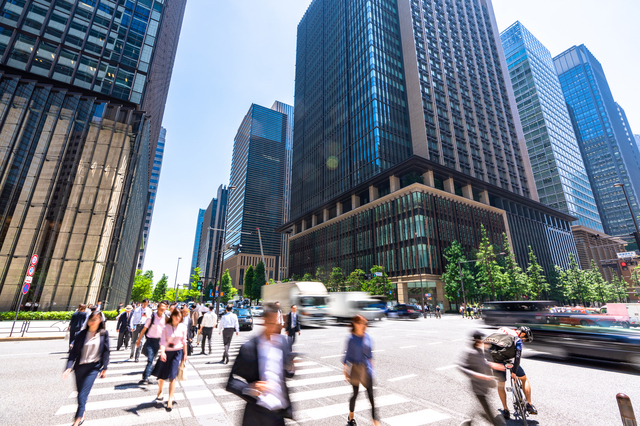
{"type": "Point", "coordinates": [173, 343]}
{"type": "Point", "coordinates": [89, 357]}
{"type": "Point", "coordinates": [358, 366]}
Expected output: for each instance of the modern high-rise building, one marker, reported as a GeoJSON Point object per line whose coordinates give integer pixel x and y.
{"type": "Point", "coordinates": [558, 169]}
{"type": "Point", "coordinates": [211, 234]}
{"type": "Point", "coordinates": [259, 175]}
{"type": "Point", "coordinates": [196, 243]}
{"type": "Point", "coordinates": [406, 137]}
{"type": "Point", "coordinates": [637, 137]}
{"type": "Point", "coordinates": [76, 112]}
{"type": "Point", "coordinates": [604, 135]}
{"type": "Point", "coordinates": [153, 190]}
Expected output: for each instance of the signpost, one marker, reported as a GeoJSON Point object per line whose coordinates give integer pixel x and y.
{"type": "Point", "coordinates": [626, 255]}
{"type": "Point", "coordinates": [28, 279]}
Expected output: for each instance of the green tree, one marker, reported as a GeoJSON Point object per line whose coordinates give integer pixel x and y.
{"type": "Point", "coordinates": [208, 292]}
{"type": "Point", "coordinates": [618, 289]}
{"type": "Point", "coordinates": [378, 285]}
{"type": "Point", "coordinates": [227, 288]}
{"type": "Point", "coordinates": [142, 286]}
{"type": "Point", "coordinates": [600, 289]}
{"type": "Point", "coordinates": [160, 289]}
{"type": "Point", "coordinates": [355, 279]}
{"type": "Point", "coordinates": [193, 293]}
{"type": "Point", "coordinates": [248, 283]}
{"type": "Point", "coordinates": [489, 275]}
{"type": "Point", "coordinates": [516, 284]}
{"type": "Point", "coordinates": [537, 283]}
{"type": "Point", "coordinates": [258, 281]}
{"type": "Point", "coordinates": [183, 293]}
{"type": "Point", "coordinates": [575, 283]}
{"type": "Point", "coordinates": [451, 277]}
{"type": "Point", "coordinates": [555, 285]}
{"type": "Point", "coordinates": [308, 277]}
{"type": "Point", "coordinates": [336, 280]}
{"type": "Point", "coordinates": [295, 277]}
{"type": "Point", "coordinates": [321, 275]}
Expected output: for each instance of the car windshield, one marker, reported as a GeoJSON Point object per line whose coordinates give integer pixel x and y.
{"type": "Point", "coordinates": [317, 301]}
{"type": "Point", "coordinates": [242, 312]}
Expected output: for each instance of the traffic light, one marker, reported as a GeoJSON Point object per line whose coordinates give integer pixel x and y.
{"type": "Point", "coordinates": [199, 285]}
{"type": "Point", "coordinates": [623, 265]}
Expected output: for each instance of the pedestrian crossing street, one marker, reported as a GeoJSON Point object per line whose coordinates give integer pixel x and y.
{"type": "Point", "coordinates": [318, 393]}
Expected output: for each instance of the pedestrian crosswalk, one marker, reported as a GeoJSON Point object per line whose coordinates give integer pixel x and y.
{"type": "Point", "coordinates": [318, 392]}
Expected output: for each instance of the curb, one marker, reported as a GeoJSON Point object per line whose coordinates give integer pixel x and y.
{"type": "Point", "coordinates": [16, 339]}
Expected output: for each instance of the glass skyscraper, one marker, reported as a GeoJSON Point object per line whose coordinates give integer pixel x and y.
{"type": "Point", "coordinates": [606, 141]}
{"type": "Point", "coordinates": [558, 169]}
{"type": "Point", "coordinates": [406, 137]}
{"type": "Point", "coordinates": [196, 243]}
{"type": "Point", "coordinates": [82, 91]}
{"type": "Point", "coordinates": [210, 242]}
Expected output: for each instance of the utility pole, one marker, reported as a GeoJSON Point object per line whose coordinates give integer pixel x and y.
{"type": "Point", "coordinates": [266, 279]}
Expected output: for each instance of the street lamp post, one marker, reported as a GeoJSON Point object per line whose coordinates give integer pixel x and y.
{"type": "Point", "coordinates": [218, 287]}
{"type": "Point", "coordinates": [175, 284]}
{"type": "Point", "coordinates": [636, 230]}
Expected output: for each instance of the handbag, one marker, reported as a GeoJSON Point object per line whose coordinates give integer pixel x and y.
{"type": "Point", "coordinates": [358, 375]}
{"type": "Point", "coordinates": [200, 337]}
{"type": "Point", "coordinates": [182, 374]}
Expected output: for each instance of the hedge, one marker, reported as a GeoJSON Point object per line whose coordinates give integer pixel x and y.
{"type": "Point", "coordinates": [50, 316]}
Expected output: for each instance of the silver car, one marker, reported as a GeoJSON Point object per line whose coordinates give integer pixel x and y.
{"type": "Point", "coordinates": [257, 311]}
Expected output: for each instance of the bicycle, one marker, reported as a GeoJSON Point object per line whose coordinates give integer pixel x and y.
{"type": "Point", "coordinates": [517, 394]}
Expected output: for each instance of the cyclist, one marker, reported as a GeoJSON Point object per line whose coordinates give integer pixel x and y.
{"type": "Point", "coordinates": [520, 334]}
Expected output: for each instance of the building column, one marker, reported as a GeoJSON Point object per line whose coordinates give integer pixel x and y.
{"type": "Point", "coordinates": [403, 292]}
{"type": "Point", "coordinates": [373, 193]}
{"type": "Point", "coordinates": [304, 225]}
{"type": "Point", "coordinates": [338, 209]}
{"type": "Point", "coordinates": [293, 229]}
{"type": "Point", "coordinates": [394, 183]}
{"type": "Point", "coordinates": [314, 220]}
{"type": "Point", "coordinates": [428, 179]}
{"type": "Point", "coordinates": [484, 197]}
{"type": "Point", "coordinates": [355, 202]}
{"type": "Point", "coordinates": [467, 192]}
{"type": "Point", "coordinates": [449, 186]}
{"type": "Point", "coordinates": [325, 215]}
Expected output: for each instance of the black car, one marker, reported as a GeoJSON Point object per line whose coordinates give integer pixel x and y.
{"type": "Point", "coordinates": [245, 319]}
{"type": "Point", "coordinates": [403, 311]}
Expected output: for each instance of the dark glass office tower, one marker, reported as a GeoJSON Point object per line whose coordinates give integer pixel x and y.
{"type": "Point", "coordinates": [558, 169]}
{"type": "Point", "coordinates": [75, 142]}
{"type": "Point", "coordinates": [606, 140]}
{"type": "Point", "coordinates": [210, 242]}
{"type": "Point", "coordinates": [408, 95]}
{"type": "Point", "coordinates": [196, 243]}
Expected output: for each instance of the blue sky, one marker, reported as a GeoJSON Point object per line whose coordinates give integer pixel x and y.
{"type": "Point", "coordinates": [233, 53]}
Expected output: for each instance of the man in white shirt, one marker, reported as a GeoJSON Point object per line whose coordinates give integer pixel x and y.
{"type": "Point", "coordinates": [279, 318]}
{"type": "Point", "coordinates": [207, 326]}
{"type": "Point", "coordinates": [228, 323]}
{"type": "Point", "coordinates": [136, 323]}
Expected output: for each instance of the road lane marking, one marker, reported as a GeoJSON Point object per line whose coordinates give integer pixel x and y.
{"type": "Point", "coordinates": [315, 380]}
{"type": "Point", "coordinates": [305, 364]}
{"type": "Point", "coordinates": [159, 417]}
{"type": "Point", "coordinates": [320, 393]}
{"type": "Point", "coordinates": [415, 419]}
{"type": "Point", "coordinates": [458, 340]}
{"type": "Point", "coordinates": [331, 356]}
{"type": "Point", "coordinates": [115, 403]}
{"type": "Point", "coordinates": [342, 408]}
{"type": "Point", "coordinates": [378, 350]}
{"type": "Point", "coordinates": [402, 377]}
{"type": "Point", "coordinates": [447, 367]}
{"type": "Point", "coordinates": [313, 370]}
{"type": "Point", "coordinates": [407, 347]}
{"type": "Point", "coordinates": [434, 343]}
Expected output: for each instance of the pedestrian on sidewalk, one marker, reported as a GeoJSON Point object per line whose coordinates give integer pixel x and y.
{"type": "Point", "coordinates": [122, 328]}
{"type": "Point", "coordinates": [195, 315]}
{"type": "Point", "coordinates": [206, 328]}
{"type": "Point", "coordinates": [173, 343]}
{"type": "Point", "coordinates": [358, 366]}
{"type": "Point", "coordinates": [280, 316]}
{"type": "Point", "coordinates": [264, 363]}
{"type": "Point", "coordinates": [228, 323]}
{"type": "Point", "coordinates": [293, 326]}
{"type": "Point", "coordinates": [186, 320]}
{"type": "Point", "coordinates": [475, 365]}
{"type": "Point", "coordinates": [438, 313]}
{"type": "Point", "coordinates": [152, 330]}
{"type": "Point", "coordinates": [78, 319]}
{"type": "Point", "coordinates": [89, 357]}
{"type": "Point", "coordinates": [139, 318]}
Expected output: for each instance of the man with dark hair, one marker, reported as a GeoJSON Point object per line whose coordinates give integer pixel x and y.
{"type": "Point", "coordinates": [136, 323]}
{"type": "Point", "coordinates": [280, 318]}
{"type": "Point", "coordinates": [153, 329]}
{"type": "Point", "coordinates": [264, 363]}
{"type": "Point", "coordinates": [78, 319]}
{"type": "Point", "coordinates": [228, 323]}
{"type": "Point", "coordinates": [293, 325]}
{"type": "Point", "coordinates": [206, 328]}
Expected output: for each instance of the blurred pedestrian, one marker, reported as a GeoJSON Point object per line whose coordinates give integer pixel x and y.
{"type": "Point", "coordinates": [195, 315]}
{"type": "Point", "coordinates": [475, 365]}
{"type": "Point", "coordinates": [88, 357]}
{"type": "Point", "coordinates": [186, 320]}
{"type": "Point", "coordinates": [293, 325]}
{"type": "Point", "coordinates": [173, 342]}
{"type": "Point", "coordinates": [78, 319]}
{"type": "Point", "coordinates": [206, 328]}
{"type": "Point", "coordinates": [358, 366]}
{"type": "Point", "coordinates": [438, 313]}
{"type": "Point", "coordinates": [152, 330]}
{"type": "Point", "coordinates": [228, 323]}
{"type": "Point", "coordinates": [99, 306]}
{"type": "Point", "coordinates": [120, 307]}
{"type": "Point", "coordinates": [280, 317]}
{"type": "Point", "coordinates": [138, 319]}
{"type": "Point", "coordinates": [264, 362]}
{"type": "Point", "coordinates": [122, 328]}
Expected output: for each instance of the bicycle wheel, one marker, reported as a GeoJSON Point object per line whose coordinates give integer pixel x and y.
{"type": "Point", "coordinates": [519, 403]}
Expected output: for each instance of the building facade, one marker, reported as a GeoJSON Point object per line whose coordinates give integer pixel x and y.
{"type": "Point", "coordinates": [394, 93]}
{"type": "Point", "coordinates": [211, 235]}
{"type": "Point", "coordinates": [602, 248]}
{"type": "Point", "coordinates": [153, 190]}
{"type": "Point", "coordinates": [75, 145]}
{"type": "Point", "coordinates": [258, 173]}
{"type": "Point", "coordinates": [604, 135]}
{"type": "Point", "coordinates": [559, 172]}
{"type": "Point", "coordinates": [196, 243]}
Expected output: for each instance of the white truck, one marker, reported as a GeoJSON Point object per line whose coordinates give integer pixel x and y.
{"type": "Point", "coordinates": [626, 314]}
{"type": "Point", "coordinates": [345, 305]}
{"type": "Point", "coordinates": [311, 298]}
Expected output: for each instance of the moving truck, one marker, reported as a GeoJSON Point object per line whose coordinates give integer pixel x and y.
{"type": "Point", "coordinates": [343, 306]}
{"type": "Point", "coordinates": [626, 314]}
{"type": "Point", "coordinates": [311, 298]}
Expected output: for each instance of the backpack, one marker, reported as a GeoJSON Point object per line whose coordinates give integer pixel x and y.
{"type": "Point", "coordinates": [503, 346]}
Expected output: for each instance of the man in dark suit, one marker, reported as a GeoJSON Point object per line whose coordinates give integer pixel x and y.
{"type": "Point", "coordinates": [264, 363]}
{"type": "Point", "coordinates": [124, 332]}
{"type": "Point", "coordinates": [77, 322]}
{"type": "Point", "coordinates": [293, 326]}
{"type": "Point", "coordinates": [186, 320]}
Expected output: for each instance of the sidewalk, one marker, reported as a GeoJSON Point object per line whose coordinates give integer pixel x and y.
{"type": "Point", "coordinates": [40, 330]}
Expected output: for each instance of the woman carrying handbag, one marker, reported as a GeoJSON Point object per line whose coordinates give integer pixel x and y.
{"type": "Point", "coordinates": [358, 366]}
{"type": "Point", "coordinates": [173, 355]}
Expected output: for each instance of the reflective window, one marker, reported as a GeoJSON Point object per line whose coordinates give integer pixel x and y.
{"type": "Point", "coordinates": [45, 56]}
{"type": "Point", "coordinates": [22, 49]}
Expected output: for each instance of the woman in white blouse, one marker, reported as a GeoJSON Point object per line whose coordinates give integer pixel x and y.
{"type": "Point", "coordinates": [173, 343]}
{"type": "Point", "coordinates": [89, 357]}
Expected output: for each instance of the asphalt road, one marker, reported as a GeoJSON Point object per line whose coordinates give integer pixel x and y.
{"type": "Point", "coordinates": [416, 383]}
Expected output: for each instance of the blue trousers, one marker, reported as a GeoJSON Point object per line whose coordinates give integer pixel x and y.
{"type": "Point", "coordinates": [85, 376]}
{"type": "Point", "coordinates": [153, 346]}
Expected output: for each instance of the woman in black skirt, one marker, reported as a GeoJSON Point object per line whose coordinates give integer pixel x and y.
{"type": "Point", "coordinates": [173, 342]}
